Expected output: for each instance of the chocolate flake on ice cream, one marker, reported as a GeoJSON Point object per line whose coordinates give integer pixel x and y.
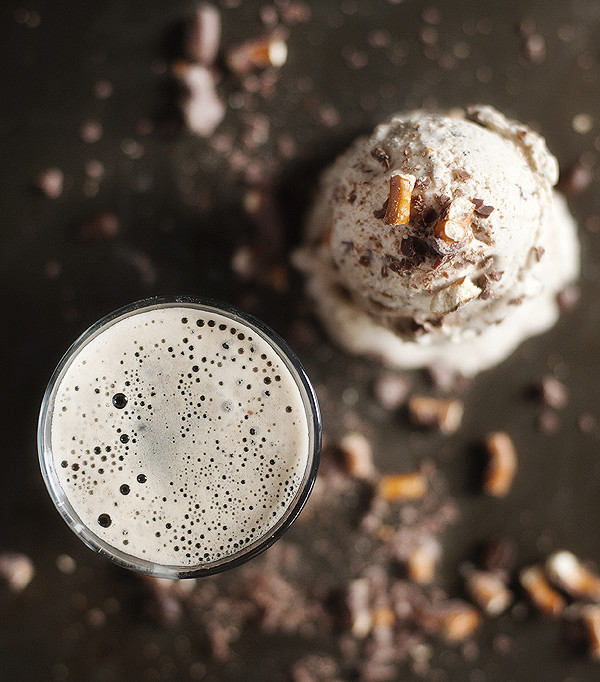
{"type": "Point", "coordinates": [440, 239]}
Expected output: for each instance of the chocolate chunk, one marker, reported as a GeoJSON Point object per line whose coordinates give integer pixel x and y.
{"type": "Point", "coordinates": [352, 198]}
{"type": "Point", "coordinates": [382, 156]}
{"type": "Point", "coordinates": [462, 174]}
{"type": "Point", "coordinates": [365, 259]}
{"type": "Point", "coordinates": [416, 250]}
{"type": "Point", "coordinates": [380, 213]}
{"type": "Point", "coordinates": [484, 211]}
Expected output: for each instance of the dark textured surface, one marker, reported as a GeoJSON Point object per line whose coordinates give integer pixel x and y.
{"type": "Point", "coordinates": [180, 212]}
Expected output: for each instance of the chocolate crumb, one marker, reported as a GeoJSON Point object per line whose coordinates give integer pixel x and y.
{"type": "Point", "coordinates": [379, 154]}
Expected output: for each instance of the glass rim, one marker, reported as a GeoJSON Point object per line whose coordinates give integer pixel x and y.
{"type": "Point", "coordinates": [144, 566]}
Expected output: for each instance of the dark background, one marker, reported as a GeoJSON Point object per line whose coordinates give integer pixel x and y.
{"type": "Point", "coordinates": [180, 206]}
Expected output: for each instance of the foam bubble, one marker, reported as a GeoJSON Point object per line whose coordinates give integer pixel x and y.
{"type": "Point", "coordinates": [179, 435]}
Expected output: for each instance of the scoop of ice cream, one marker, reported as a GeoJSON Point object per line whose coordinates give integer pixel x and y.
{"type": "Point", "coordinates": [440, 238]}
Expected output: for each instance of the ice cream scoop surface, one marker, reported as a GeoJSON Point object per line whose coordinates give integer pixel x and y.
{"type": "Point", "coordinates": [440, 239]}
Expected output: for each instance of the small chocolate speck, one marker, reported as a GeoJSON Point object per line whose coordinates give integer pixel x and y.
{"type": "Point", "coordinates": [538, 252]}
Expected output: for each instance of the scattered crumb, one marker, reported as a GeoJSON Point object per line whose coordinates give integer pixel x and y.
{"type": "Point", "coordinates": [391, 390]}
{"type": "Point", "coordinates": [203, 35]}
{"type": "Point", "coordinates": [100, 227]}
{"type": "Point", "coordinates": [201, 106]}
{"type": "Point", "coordinates": [502, 464]}
{"type": "Point", "coordinates": [358, 455]}
{"type": "Point", "coordinates": [544, 597]}
{"type": "Point", "coordinates": [66, 564]}
{"type": "Point", "coordinates": [575, 179]}
{"type": "Point", "coordinates": [271, 50]}
{"type": "Point", "coordinates": [569, 297]}
{"type": "Point", "coordinates": [103, 89]}
{"type": "Point", "coordinates": [582, 123]}
{"type": "Point", "coordinates": [91, 131]}
{"type": "Point", "coordinates": [487, 589]}
{"type": "Point", "coordinates": [443, 415]}
{"type": "Point", "coordinates": [548, 421]}
{"type": "Point", "coordinates": [16, 570]}
{"type": "Point", "coordinates": [51, 183]}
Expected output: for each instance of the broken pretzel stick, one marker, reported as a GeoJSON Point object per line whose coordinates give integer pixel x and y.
{"type": "Point", "coordinates": [398, 208]}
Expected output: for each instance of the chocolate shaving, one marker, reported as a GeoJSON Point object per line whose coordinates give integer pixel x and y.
{"type": "Point", "coordinates": [422, 183]}
{"type": "Point", "coordinates": [462, 174]}
{"type": "Point", "coordinates": [365, 259]}
{"type": "Point", "coordinates": [382, 156]}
